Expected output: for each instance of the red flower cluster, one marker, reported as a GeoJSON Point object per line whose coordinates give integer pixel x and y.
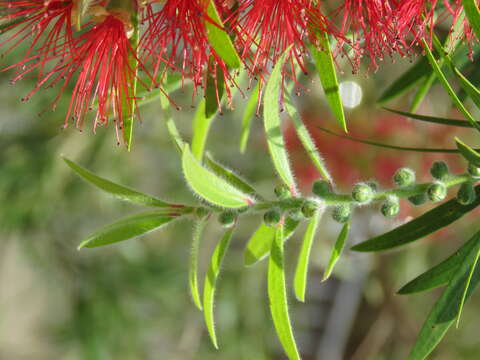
{"type": "Point", "coordinates": [99, 56]}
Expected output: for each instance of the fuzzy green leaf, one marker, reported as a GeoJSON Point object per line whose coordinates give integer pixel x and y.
{"type": "Point", "coordinates": [431, 221]}
{"type": "Point", "coordinates": [260, 243]}
{"type": "Point", "coordinates": [328, 77]}
{"type": "Point", "coordinates": [201, 127]}
{"type": "Point", "coordinates": [211, 187]}
{"type": "Point", "coordinates": [306, 139]}
{"type": "Point", "coordinates": [301, 272]}
{"type": "Point", "coordinates": [193, 268]}
{"type": "Point", "coordinates": [273, 126]}
{"type": "Point", "coordinates": [231, 177]}
{"type": "Point", "coordinates": [119, 191]}
{"type": "Point", "coordinates": [248, 115]}
{"type": "Point", "coordinates": [127, 228]}
{"type": "Point", "coordinates": [468, 153]}
{"type": "Point", "coordinates": [337, 250]}
{"type": "Point", "coordinates": [219, 39]}
{"type": "Point", "coordinates": [440, 274]}
{"type": "Point", "coordinates": [277, 294]}
{"type": "Point", "coordinates": [447, 307]}
{"type": "Point", "coordinates": [211, 282]}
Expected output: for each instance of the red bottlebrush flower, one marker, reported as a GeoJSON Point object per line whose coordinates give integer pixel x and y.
{"type": "Point", "coordinates": [372, 33]}
{"type": "Point", "coordinates": [269, 27]}
{"type": "Point", "coordinates": [45, 24]}
{"type": "Point", "coordinates": [176, 40]}
{"type": "Point", "coordinates": [101, 56]}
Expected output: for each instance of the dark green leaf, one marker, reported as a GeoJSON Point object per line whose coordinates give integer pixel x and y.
{"type": "Point", "coordinates": [473, 15]}
{"type": "Point", "coordinates": [431, 221]}
{"type": "Point", "coordinates": [127, 228]}
{"type": "Point", "coordinates": [432, 119]}
{"type": "Point", "coordinates": [214, 92]}
{"type": "Point", "coordinates": [468, 153]}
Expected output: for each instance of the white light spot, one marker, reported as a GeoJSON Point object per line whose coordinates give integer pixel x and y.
{"type": "Point", "coordinates": [351, 94]}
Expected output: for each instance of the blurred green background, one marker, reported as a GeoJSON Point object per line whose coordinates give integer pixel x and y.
{"type": "Point", "coordinates": [131, 300]}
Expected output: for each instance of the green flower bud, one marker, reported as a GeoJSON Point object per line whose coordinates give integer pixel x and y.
{"type": "Point", "coordinates": [309, 208]}
{"type": "Point", "coordinates": [227, 218]}
{"type": "Point", "coordinates": [373, 185]}
{"type": "Point", "coordinates": [201, 212]}
{"type": "Point", "coordinates": [282, 191]}
{"type": "Point", "coordinates": [474, 171]}
{"type": "Point", "coordinates": [404, 177]}
{"type": "Point", "coordinates": [296, 214]}
{"type": "Point", "coordinates": [272, 217]}
{"type": "Point", "coordinates": [418, 199]}
{"type": "Point", "coordinates": [362, 193]}
{"type": "Point", "coordinates": [321, 188]}
{"type": "Point", "coordinates": [391, 207]}
{"type": "Point", "coordinates": [439, 170]}
{"type": "Point", "coordinates": [466, 194]}
{"type": "Point", "coordinates": [437, 191]}
{"type": "Point", "coordinates": [341, 213]}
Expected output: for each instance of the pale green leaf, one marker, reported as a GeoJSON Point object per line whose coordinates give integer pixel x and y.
{"type": "Point", "coordinates": [193, 269]}
{"type": "Point", "coordinates": [248, 115]}
{"type": "Point", "coordinates": [337, 250]}
{"type": "Point", "coordinates": [277, 295]}
{"type": "Point", "coordinates": [468, 153]}
{"type": "Point", "coordinates": [273, 126]}
{"type": "Point", "coordinates": [211, 187]}
{"type": "Point", "coordinates": [127, 228]}
{"type": "Point", "coordinates": [201, 127]}
{"type": "Point", "coordinates": [301, 272]}
{"type": "Point", "coordinates": [211, 282]}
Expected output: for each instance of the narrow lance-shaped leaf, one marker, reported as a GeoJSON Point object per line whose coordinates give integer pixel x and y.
{"type": "Point", "coordinates": [440, 274]}
{"type": "Point", "coordinates": [193, 269]}
{"type": "Point", "coordinates": [211, 187]}
{"type": "Point", "coordinates": [473, 15]}
{"type": "Point", "coordinates": [201, 127]}
{"type": "Point", "coordinates": [446, 309]}
{"type": "Point", "coordinates": [119, 191]}
{"type": "Point", "coordinates": [214, 91]}
{"type": "Point", "coordinates": [219, 39]}
{"type": "Point", "coordinates": [432, 119]}
{"type": "Point", "coordinates": [248, 115]}
{"type": "Point", "coordinates": [127, 228]}
{"type": "Point", "coordinates": [467, 286]}
{"type": "Point", "coordinates": [171, 127]}
{"type": "Point", "coordinates": [420, 227]}
{"type": "Point", "coordinates": [209, 287]}
{"type": "Point", "coordinates": [468, 153]}
{"type": "Point", "coordinates": [306, 139]}
{"type": "Point", "coordinates": [259, 245]}
{"type": "Point", "coordinates": [328, 77]}
{"type": "Point", "coordinates": [423, 90]}
{"type": "Point", "coordinates": [301, 272]}
{"type": "Point", "coordinates": [448, 88]}
{"type": "Point", "coordinates": [231, 177]}
{"type": "Point", "coordinates": [277, 294]}
{"type": "Point", "coordinates": [337, 250]}
{"type": "Point", "coordinates": [273, 126]}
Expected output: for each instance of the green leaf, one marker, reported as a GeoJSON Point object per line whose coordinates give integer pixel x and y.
{"type": "Point", "coordinates": [388, 146]}
{"type": "Point", "coordinates": [248, 116]}
{"type": "Point", "coordinates": [423, 90]}
{"type": "Point", "coordinates": [219, 39]}
{"type": "Point", "coordinates": [431, 221]}
{"type": "Point", "coordinates": [211, 282]}
{"type": "Point", "coordinates": [473, 15]}
{"type": "Point", "coordinates": [231, 177]}
{"type": "Point", "coordinates": [443, 80]}
{"type": "Point", "coordinates": [193, 269]}
{"type": "Point", "coordinates": [328, 77]}
{"type": "Point", "coordinates": [301, 272]}
{"type": "Point", "coordinates": [119, 191]}
{"type": "Point", "coordinates": [277, 295]}
{"type": "Point", "coordinates": [81, 8]}
{"type": "Point", "coordinates": [214, 91]}
{"type": "Point", "coordinates": [171, 127]}
{"type": "Point", "coordinates": [467, 286]}
{"type": "Point", "coordinates": [440, 274]}
{"type": "Point", "coordinates": [201, 127]}
{"type": "Point", "coordinates": [306, 139]}
{"type": "Point", "coordinates": [260, 243]}
{"type": "Point", "coordinates": [432, 119]}
{"type": "Point", "coordinates": [468, 153]}
{"type": "Point", "coordinates": [273, 126]}
{"type": "Point", "coordinates": [447, 307]}
{"type": "Point", "coordinates": [337, 250]}
{"type": "Point", "coordinates": [211, 187]}
{"type": "Point", "coordinates": [406, 81]}
{"type": "Point", "coordinates": [127, 228]}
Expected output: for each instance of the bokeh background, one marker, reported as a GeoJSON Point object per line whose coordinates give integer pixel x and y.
{"type": "Point", "coordinates": [131, 300]}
